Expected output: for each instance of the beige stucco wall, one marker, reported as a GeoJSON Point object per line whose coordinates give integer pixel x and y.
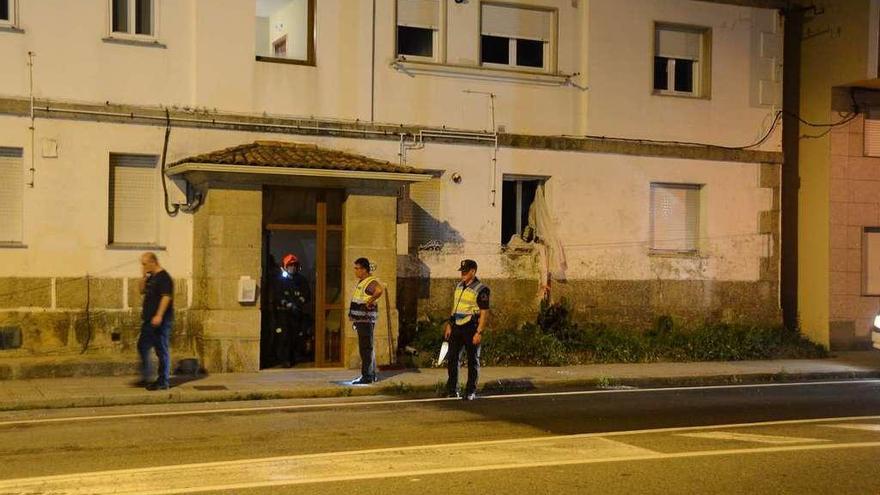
{"type": "Point", "coordinates": [207, 41]}
{"type": "Point", "coordinates": [621, 103]}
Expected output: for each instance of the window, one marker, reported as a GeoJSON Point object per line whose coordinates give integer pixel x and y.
{"type": "Point", "coordinates": [681, 56]}
{"type": "Point", "coordinates": [516, 37]}
{"type": "Point", "coordinates": [133, 199]}
{"type": "Point", "coordinates": [418, 28]}
{"type": "Point", "coordinates": [517, 196]}
{"type": "Point", "coordinates": [285, 31]}
{"type": "Point", "coordinates": [675, 217]}
{"type": "Point", "coordinates": [7, 13]}
{"type": "Point", "coordinates": [133, 17]}
{"type": "Point", "coordinates": [871, 261]}
{"type": "Point", "coordinates": [11, 195]}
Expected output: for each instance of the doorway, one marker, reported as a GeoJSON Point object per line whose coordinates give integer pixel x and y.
{"type": "Point", "coordinates": [308, 224]}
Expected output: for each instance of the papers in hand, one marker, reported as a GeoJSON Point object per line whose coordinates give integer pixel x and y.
{"type": "Point", "coordinates": [444, 348]}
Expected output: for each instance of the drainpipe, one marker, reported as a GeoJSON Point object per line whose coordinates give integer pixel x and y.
{"type": "Point", "coordinates": [791, 95]}
{"type": "Point", "coordinates": [373, 67]}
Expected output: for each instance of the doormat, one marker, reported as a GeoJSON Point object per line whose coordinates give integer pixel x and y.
{"type": "Point", "coordinates": [210, 387]}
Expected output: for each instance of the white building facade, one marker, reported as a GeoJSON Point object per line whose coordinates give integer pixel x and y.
{"type": "Point", "coordinates": [646, 129]}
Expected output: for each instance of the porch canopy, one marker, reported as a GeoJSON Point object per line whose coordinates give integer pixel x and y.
{"type": "Point", "coordinates": [301, 164]}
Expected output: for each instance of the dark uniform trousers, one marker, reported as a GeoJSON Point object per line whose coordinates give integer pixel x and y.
{"type": "Point", "coordinates": [462, 338]}
{"type": "Point", "coordinates": [364, 331]}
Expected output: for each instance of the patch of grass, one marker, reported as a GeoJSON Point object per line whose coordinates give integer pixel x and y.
{"type": "Point", "coordinates": [554, 339]}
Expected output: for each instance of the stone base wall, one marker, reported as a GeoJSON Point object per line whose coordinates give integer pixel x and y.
{"type": "Point", "coordinates": [629, 304]}
{"type": "Point", "coordinates": [67, 316]}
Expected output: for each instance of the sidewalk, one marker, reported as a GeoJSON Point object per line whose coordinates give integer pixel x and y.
{"type": "Point", "coordinates": [279, 384]}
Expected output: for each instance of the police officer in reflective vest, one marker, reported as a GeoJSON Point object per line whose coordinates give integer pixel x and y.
{"type": "Point", "coordinates": [470, 313]}
{"type": "Point", "coordinates": [363, 313]}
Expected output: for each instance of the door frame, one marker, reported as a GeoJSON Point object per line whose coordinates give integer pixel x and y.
{"type": "Point", "coordinates": [321, 306]}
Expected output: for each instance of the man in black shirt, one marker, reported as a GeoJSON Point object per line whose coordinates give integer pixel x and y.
{"type": "Point", "coordinates": [157, 317]}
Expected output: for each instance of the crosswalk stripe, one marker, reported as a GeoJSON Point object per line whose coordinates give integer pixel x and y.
{"type": "Point", "coordinates": [750, 437]}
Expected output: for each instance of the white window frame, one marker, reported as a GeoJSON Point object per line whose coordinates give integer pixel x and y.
{"type": "Point", "coordinates": [438, 36]}
{"type": "Point", "coordinates": [132, 17]}
{"type": "Point", "coordinates": [653, 247]}
{"type": "Point", "coordinates": [700, 66]}
{"type": "Point", "coordinates": [549, 57]}
{"type": "Point", "coordinates": [12, 22]}
{"type": "Point", "coordinates": [151, 240]}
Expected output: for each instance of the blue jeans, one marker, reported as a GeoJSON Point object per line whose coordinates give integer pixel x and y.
{"type": "Point", "coordinates": [365, 347]}
{"type": "Point", "coordinates": [158, 339]}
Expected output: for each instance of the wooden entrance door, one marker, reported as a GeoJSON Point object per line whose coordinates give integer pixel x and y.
{"type": "Point", "coordinates": [316, 217]}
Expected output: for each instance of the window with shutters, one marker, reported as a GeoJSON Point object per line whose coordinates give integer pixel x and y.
{"type": "Point", "coordinates": [872, 134]}
{"type": "Point", "coordinates": [11, 195]}
{"type": "Point", "coordinates": [133, 18]}
{"type": "Point", "coordinates": [681, 60]}
{"type": "Point", "coordinates": [871, 261]}
{"type": "Point", "coordinates": [285, 31]}
{"type": "Point", "coordinates": [675, 217]}
{"type": "Point", "coordinates": [134, 202]}
{"type": "Point", "coordinates": [517, 37]}
{"type": "Point", "coordinates": [418, 29]}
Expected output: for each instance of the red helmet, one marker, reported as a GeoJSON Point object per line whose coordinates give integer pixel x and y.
{"type": "Point", "coordinates": [289, 259]}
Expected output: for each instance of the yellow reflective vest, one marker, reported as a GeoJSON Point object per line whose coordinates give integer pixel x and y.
{"type": "Point", "coordinates": [357, 310]}
{"type": "Point", "coordinates": [465, 306]}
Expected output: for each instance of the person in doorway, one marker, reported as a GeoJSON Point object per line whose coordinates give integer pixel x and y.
{"type": "Point", "coordinates": [363, 313]}
{"type": "Point", "coordinates": [464, 330]}
{"type": "Point", "coordinates": [291, 294]}
{"type": "Point", "coordinates": [157, 317]}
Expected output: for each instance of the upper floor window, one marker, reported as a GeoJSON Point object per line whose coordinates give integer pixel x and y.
{"type": "Point", "coordinates": [133, 17]}
{"type": "Point", "coordinates": [517, 37]}
{"type": "Point", "coordinates": [675, 217]}
{"type": "Point", "coordinates": [418, 28]}
{"type": "Point", "coordinates": [285, 31]}
{"type": "Point", "coordinates": [7, 13]}
{"type": "Point", "coordinates": [518, 196]}
{"type": "Point", "coordinates": [681, 60]}
{"type": "Point", "coordinates": [11, 195]}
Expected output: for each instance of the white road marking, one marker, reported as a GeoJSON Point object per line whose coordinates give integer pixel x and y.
{"type": "Point", "coordinates": [750, 437]}
{"type": "Point", "coordinates": [857, 426]}
{"type": "Point", "coordinates": [327, 405]}
{"type": "Point", "coordinates": [376, 464]}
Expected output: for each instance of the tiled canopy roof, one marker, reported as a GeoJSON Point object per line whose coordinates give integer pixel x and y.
{"type": "Point", "coordinates": [296, 155]}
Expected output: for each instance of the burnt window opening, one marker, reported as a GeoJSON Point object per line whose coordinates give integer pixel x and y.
{"type": "Point", "coordinates": [517, 196]}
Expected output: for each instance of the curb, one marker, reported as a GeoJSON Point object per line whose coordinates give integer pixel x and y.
{"type": "Point", "coordinates": [405, 390]}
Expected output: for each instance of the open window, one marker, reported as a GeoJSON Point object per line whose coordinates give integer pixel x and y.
{"type": "Point", "coordinates": [681, 60]}
{"type": "Point", "coordinates": [285, 31]}
{"type": "Point", "coordinates": [517, 196]}
{"type": "Point", "coordinates": [516, 37]}
{"type": "Point", "coordinates": [7, 13]}
{"type": "Point", "coordinates": [418, 29]}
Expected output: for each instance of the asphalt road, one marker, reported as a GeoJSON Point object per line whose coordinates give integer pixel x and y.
{"type": "Point", "coordinates": [790, 438]}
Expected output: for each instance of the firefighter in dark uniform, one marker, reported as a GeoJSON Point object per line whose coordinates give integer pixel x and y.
{"type": "Point", "coordinates": [463, 331]}
{"type": "Point", "coordinates": [291, 294]}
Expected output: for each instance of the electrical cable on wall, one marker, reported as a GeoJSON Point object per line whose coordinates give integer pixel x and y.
{"type": "Point", "coordinates": [171, 210]}
{"type": "Point", "coordinates": [88, 338]}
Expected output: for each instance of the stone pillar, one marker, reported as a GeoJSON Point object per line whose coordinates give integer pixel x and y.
{"type": "Point", "coordinates": [227, 244]}
{"type": "Point", "coordinates": [371, 232]}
